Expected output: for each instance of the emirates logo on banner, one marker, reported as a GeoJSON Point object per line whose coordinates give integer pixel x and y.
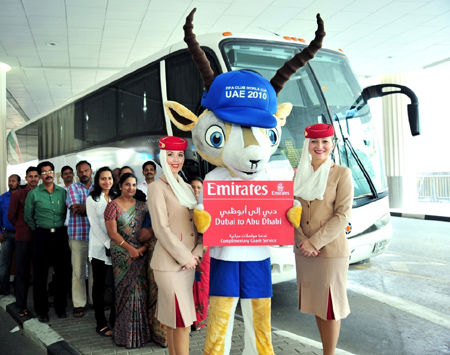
{"type": "Point", "coordinates": [280, 190]}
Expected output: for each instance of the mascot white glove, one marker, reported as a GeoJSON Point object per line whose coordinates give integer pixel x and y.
{"type": "Point", "coordinates": [202, 219]}
{"type": "Point", "coordinates": [294, 214]}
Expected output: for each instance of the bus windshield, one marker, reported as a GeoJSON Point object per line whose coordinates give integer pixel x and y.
{"type": "Point", "coordinates": [325, 90]}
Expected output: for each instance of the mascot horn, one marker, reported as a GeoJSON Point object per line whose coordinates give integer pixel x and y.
{"type": "Point", "coordinates": [238, 135]}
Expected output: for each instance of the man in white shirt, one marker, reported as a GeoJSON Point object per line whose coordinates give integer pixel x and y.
{"type": "Point", "coordinates": [149, 172]}
{"type": "Point", "coordinates": [67, 176]}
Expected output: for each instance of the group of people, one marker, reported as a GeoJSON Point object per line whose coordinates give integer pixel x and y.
{"type": "Point", "coordinates": [102, 226]}
{"type": "Point", "coordinates": [151, 243]}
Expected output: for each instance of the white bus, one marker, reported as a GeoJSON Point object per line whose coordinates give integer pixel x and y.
{"type": "Point", "coordinates": [119, 122]}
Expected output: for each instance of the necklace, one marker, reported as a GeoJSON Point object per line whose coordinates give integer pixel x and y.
{"type": "Point", "coordinates": [127, 207]}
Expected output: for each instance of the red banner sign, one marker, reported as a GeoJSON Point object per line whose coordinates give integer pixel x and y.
{"type": "Point", "coordinates": [248, 212]}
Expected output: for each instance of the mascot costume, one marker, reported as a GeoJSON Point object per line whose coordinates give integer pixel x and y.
{"type": "Point", "coordinates": [238, 135]}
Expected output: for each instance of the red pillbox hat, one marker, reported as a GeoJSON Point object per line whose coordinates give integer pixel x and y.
{"type": "Point", "coordinates": [319, 130]}
{"type": "Point", "coordinates": [173, 143]}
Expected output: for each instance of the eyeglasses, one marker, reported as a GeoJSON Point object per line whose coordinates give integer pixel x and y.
{"type": "Point", "coordinates": [47, 172]}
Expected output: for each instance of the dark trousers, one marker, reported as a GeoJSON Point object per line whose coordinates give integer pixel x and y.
{"type": "Point", "coordinates": [100, 273]}
{"type": "Point", "coordinates": [24, 255]}
{"type": "Point", "coordinates": [5, 260]}
{"type": "Point", "coordinates": [51, 284]}
{"type": "Point", "coordinates": [50, 249]}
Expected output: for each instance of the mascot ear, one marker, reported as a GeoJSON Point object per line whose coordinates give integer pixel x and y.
{"type": "Point", "coordinates": [283, 110]}
{"type": "Point", "coordinates": [180, 116]}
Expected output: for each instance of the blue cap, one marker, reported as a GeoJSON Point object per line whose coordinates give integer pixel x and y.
{"type": "Point", "coordinates": [244, 98]}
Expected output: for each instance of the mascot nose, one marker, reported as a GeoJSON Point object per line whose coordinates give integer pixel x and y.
{"type": "Point", "coordinates": [255, 163]}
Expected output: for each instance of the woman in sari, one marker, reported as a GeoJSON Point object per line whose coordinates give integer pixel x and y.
{"type": "Point", "coordinates": [124, 218]}
{"type": "Point", "coordinates": [158, 330]}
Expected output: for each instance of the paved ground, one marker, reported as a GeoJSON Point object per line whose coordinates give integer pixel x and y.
{"type": "Point", "coordinates": [78, 336]}
{"type": "Point", "coordinates": [13, 340]}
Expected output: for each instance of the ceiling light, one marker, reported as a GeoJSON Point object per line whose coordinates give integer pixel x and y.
{"type": "Point", "coordinates": [4, 67]}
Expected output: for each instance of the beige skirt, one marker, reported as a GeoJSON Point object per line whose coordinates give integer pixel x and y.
{"type": "Point", "coordinates": [171, 283]}
{"type": "Point", "coordinates": [316, 279]}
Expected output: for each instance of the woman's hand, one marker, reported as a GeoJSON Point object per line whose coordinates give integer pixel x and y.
{"type": "Point", "coordinates": [191, 264]}
{"type": "Point", "coordinates": [142, 250]}
{"type": "Point", "coordinates": [198, 258]}
{"type": "Point", "coordinates": [134, 253]}
{"type": "Point", "coordinates": [307, 249]}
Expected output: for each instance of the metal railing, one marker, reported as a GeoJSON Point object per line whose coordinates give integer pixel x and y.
{"type": "Point", "coordinates": [433, 187]}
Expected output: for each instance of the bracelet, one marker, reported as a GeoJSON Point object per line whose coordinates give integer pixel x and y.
{"type": "Point", "coordinates": [123, 241]}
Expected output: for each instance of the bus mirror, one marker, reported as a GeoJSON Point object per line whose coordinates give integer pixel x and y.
{"type": "Point", "coordinates": [413, 117]}
{"type": "Point", "coordinates": [380, 90]}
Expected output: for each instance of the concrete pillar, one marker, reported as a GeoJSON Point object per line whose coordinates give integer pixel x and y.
{"type": "Point", "coordinates": [396, 137]}
{"type": "Point", "coordinates": [3, 164]}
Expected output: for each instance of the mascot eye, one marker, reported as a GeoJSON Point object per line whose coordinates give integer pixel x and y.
{"type": "Point", "coordinates": [273, 136]}
{"type": "Point", "coordinates": [215, 137]}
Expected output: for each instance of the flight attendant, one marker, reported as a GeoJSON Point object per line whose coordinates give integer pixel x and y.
{"type": "Point", "coordinates": [178, 248]}
{"type": "Point", "coordinates": [325, 191]}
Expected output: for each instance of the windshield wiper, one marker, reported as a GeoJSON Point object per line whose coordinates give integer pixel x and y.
{"type": "Point", "coordinates": [349, 114]}
{"type": "Point", "coordinates": [348, 145]}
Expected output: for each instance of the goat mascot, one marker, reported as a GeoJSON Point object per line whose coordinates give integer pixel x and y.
{"type": "Point", "coordinates": [239, 134]}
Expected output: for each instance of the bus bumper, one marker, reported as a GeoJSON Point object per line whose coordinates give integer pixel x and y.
{"type": "Point", "coordinates": [370, 244]}
{"type": "Point", "coordinates": [282, 259]}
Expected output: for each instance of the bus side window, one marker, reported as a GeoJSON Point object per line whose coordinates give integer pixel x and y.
{"type": "Point", "coordinates": [99, 117]}
{"type": "Point", "coordinates": [140, 103]}
{"type": "Point", "coordinates": [27, 138]}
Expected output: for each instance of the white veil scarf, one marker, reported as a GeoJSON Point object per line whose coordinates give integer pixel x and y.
{"type": "Point", "coordinates": [181, 190]}
{"type": "Point", "coordinates": [309, 184]}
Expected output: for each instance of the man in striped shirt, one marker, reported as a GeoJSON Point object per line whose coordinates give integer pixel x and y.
{"type": "Point", "coordinates": [78, 231]}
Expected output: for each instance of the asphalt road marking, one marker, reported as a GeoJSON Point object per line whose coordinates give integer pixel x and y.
{"type": "Point", "coordinates": [402, 274]}
{"type": "Point", "coordinates": [415, 256]}
{"type": "Point", "coordinates": [403, 265]}
{"type": "Point", "coordinates": [308, 342]}
{"type": "Point", "coordinates": [404, 305]}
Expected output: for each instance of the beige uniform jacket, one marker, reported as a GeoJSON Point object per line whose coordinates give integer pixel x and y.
{"type": "Point", "coordinates": [324, 221]}
{"type": "Point", "coordinates": [174, 229]}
